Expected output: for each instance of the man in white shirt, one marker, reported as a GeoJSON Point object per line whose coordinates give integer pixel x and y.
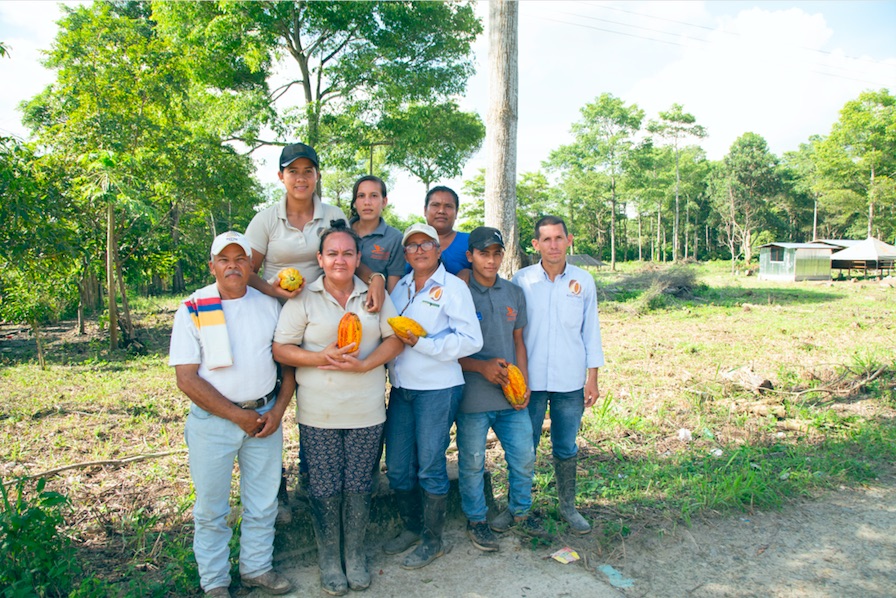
{"type": "Point", "coordinates": [564, 347]}
{"type": "Point", "coordinates": [221, 352]}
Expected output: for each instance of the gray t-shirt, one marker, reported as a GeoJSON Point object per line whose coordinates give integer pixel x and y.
{"type": "Point", "coordinates": [382, 251]}
{"type": "Point", "coordinates": [501, 309]}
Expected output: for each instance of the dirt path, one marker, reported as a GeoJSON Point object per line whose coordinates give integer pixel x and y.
{"type": "Point", "coordinates": [842, 544]}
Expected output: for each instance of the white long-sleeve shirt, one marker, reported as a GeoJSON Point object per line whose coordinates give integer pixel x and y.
{"type": "Point", "coordinates": [563, 334]}
{"type": "Point", "coordinates": [444, 307]}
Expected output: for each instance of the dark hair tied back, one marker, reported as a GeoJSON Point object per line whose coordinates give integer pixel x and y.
{"type": "Point", "coordinates": [339, 226]}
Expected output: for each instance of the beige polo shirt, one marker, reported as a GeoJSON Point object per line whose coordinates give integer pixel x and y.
{"type": "Point", "coordinates": [330, 398]}
{"type": "Point", "coordinates": [285, 246]}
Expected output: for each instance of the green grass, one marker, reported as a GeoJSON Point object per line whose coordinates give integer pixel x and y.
{"type": "Point", "coordinates": [666, 355]}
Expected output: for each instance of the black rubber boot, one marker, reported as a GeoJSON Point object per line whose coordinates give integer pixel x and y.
{"type": "Point", "coordinates": [326, 515]}
{"type": "Point", "coordinates": [565, 472]}
{"type": "Point", "coordinates": [355, 517]}
{"type": "Point", "coordinates": [409, 509]}
{"type": "Point", "coordinates": [430, 548]}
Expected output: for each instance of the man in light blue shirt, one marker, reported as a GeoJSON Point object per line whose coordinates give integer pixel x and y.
{"type": "Point", "coordinates": [564, 348]}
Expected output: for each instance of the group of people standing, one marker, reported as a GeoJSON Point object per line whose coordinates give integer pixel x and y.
{"type": "Point", "coordinates": [242, 347]}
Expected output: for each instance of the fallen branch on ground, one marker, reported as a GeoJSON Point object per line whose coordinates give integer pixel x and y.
{"type": "Point", "coordinates": [125, 461]}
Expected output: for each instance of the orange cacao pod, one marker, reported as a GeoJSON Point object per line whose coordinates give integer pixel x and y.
{"type": "Point", "coordinates": [515, 389]}
{"type": "Point", "coordinates": [349, 330]}
{"type": "Point", "coordinates": [403, 324]}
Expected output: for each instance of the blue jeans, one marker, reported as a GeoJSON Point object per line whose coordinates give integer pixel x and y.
{"type": "Point", "coordinates": [514, 430]}
{"type": "Point", "coordinates": [418, 424]}
{"type": "Point", "coordinates": [566, 417]}
{"type": "Point", "coordinates": [213, 444]}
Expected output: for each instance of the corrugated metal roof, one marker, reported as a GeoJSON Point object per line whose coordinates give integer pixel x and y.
{"type": "Point", "coordinates": [798, 245]}
{"type": "Point", "coordinates": [869, 249]}
{"type": "Point", "coordinates": [840, 242]}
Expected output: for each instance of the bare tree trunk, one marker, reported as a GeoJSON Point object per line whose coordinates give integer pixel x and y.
{"type": "Point", "coordinates": [640, 244]}
{"type": "Point", "coordinates": [501, 128]}
{"type": "Point", "coordinates": [871, 204]}
{"type": "Point", "coordinates": [127, 324]}
{"type": "Point", "coordinates": [675, 226]}
{"type": "Point", "coordinates": [35, 329]}
{"type": "Point", "coordinates": [110, 276]}
{"type": "Point", "coordinates": [613, 232]}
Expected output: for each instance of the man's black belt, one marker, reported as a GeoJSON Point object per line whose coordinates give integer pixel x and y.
{"type": "Point", "coordinates": [258, 403]}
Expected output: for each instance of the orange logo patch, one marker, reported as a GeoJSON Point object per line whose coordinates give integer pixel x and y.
{"type": "Point", "coordinates": [379, 253]}
{"type": "Point", "coordinates": [511, 314]}
{"type": "Point", "coordinates": [575, 288]}
{"type": "Point", "coordinates": [435, 293]}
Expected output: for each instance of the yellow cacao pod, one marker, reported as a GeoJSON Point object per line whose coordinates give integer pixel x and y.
{"type": "Point", "coordinates": [403, 324]}
{"type": "Point", "coordinates": [349, 330]}
{"type": "Point", "coordinates": [290, 279]}
{"type": "Point", "coordinates": [515, 389]}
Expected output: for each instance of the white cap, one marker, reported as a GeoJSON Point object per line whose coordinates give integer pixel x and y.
{"type": "Point", "coordinates": [420, 227]}
{"type": "Point", "coordinates": [231, 237]}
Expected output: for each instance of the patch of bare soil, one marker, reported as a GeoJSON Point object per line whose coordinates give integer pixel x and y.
{"type": "Point", "coordinates": [841, 544]}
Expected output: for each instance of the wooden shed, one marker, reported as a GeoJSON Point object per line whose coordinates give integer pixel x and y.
{"type": "Point", "coordinates": [795, 261]}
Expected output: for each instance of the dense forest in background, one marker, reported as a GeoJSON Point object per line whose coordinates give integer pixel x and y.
{"type": "Point", "coordinates": [141, 150]}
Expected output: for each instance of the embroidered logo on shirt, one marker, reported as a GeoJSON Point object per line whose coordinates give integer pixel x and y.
{"type": "Point", "coordinates": [575, 288]}
{"type": "Point", "coordinates": [435, 293]}
{"type": "Point", "coordinates": [511, 314]}
{"type": "Point", "coordinates": [379, 253]}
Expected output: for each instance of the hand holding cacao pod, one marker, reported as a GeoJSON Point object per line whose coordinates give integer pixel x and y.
{"type": "Point", "coordinates": [402, 325]}
{"type": "Point", "coordinates": [349, 330]}
{"type": "Point", "coordinates": [290, 279]}
{"type": "Point", "coordinates": [515, 389]}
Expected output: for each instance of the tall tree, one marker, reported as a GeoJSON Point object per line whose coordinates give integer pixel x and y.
{"type": "Point", "coordinates": [35, 241]}
{"type": "Point", "coordinates": [124, 110]}
{"type": "Point", "coordinates": [801, 177]}
{"type": "Point", "coordinates": [351, 61]}
{"type": "Point", "coordinates": [676, 126]}
{"type": "Point", "coordinates": [500, 182]}
{"type": "Point", "coordinates": [603, 139]}
{"type": "Point", "coordinates": [431, 141]}
{"type": "Point", "coordinates": [752, 178]}
{"type": "Point", "coordinates": [860, 153]}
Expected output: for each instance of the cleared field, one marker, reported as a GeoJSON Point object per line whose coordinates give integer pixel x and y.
{"type": "Point", "coordinates": [672, 437]}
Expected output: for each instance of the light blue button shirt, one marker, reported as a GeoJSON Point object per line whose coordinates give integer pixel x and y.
{"type": "Point", "coordinates": [444, 307]}
{"type": "Point", "coordinates": [563, 334]}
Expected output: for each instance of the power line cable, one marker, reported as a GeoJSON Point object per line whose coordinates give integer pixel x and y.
{"type": "Point", "coordinates": [673, 43]}
{"type": "Point", "coordinates": [717, 30]}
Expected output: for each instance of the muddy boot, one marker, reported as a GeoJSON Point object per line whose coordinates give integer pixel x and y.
{"type": "Point", "coordinates": [302, 485]}
{"type": "Point", "coordinates": [326, 514]}
{"type": "Point", "coordinates": [565, 472]}
{"type": "Point", "coordinates": [284, 510]}
{"type": "Point", "coordinates": [430, 548]}
{"type": "Point", "coordinates": [408, 502]}
{"type": "Point", "coordinates": [355, 517]}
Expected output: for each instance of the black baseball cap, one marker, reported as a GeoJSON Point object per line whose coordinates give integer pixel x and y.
{"type": "Point", "coordinates": [483, 237]}
{"type": "Point", "coordinates": [293, 152]}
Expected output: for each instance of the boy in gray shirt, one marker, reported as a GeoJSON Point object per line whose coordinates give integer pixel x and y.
{"type": "Point", "coordinates": [501, 309]}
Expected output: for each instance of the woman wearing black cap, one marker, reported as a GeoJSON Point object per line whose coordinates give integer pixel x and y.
{"type": "Point", "coordinates": [287, 234]}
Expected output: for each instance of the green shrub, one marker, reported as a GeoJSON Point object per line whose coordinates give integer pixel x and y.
{"type": "Point", "coordinates": [35, 557]}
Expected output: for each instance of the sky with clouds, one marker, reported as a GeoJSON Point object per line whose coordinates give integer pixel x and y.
{"type": "Point", "coordinates": [779, 69]}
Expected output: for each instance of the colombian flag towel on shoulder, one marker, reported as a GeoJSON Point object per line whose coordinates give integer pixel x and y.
{"type": "Point", "coordinates": [207, 314]}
